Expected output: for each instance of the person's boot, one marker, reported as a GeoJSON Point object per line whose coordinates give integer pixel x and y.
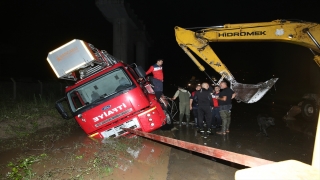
{"type": "Point", "coordinates": [188, 119]}
{"type": "Point", "coordinates": [180, 119]}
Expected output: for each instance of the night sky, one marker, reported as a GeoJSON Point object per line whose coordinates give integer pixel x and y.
{"type": "Point", "coordinates": [32, 28]}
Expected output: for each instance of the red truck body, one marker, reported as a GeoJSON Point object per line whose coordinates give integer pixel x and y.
{"type": "Point", "coordinates": [109, 97]}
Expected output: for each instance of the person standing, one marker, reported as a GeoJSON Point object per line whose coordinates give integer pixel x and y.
{"type": "Point", "coordinates": [184, 104]}
{"type": "Point", "coordinates": [157, 79]}
{"type": "Point", "coordinates": [216, 119]}
{"type": "Point", "coordinates": [225, 103]}
{"type": "Point", "coordinates": [194, 105]}
{"type": "Point", "coordinates": [204, 98]}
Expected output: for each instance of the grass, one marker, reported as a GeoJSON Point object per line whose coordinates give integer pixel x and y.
{"type": "Point", "coordinates": [21, 169]}
{"type": "Point", "coordinates": [22, 117]}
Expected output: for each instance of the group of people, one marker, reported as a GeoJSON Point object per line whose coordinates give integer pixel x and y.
{"type": "Point", "coordinates": [215, 114]}
{"type": "Point", "coordinates": [212, 105]}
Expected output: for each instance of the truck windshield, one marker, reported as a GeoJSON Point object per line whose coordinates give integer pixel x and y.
{"type": "Point", "coordinates": [99, 89]}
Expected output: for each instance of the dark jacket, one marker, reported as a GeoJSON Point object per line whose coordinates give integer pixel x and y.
{"type": "Point", "coordinates": [204, 97]}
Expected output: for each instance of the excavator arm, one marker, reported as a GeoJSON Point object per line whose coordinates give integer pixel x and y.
{"type": "Point", "coordinates": [302, 33]}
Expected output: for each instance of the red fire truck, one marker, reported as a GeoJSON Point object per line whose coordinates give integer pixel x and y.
{"type": "Point", "coordinates": [107, 94]}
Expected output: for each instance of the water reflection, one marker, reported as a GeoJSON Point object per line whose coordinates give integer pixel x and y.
{"type": "Point", "coordinates": [140, 158]}
{"type": "Point", "coordinates": [293, 142]}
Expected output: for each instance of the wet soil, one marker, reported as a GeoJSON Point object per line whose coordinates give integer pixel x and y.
{"type": "Point", "coordinates": [75, 156]}
{"type": "Point", "coordinates": [287, 139]}
{"type": "Point", "coordinates": [189, 165]}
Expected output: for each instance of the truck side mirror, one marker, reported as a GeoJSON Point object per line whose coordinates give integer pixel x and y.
{"type": "Point", "coordinates": [61, 110]}
{"type": "Point", "coordinates": [139, 70]}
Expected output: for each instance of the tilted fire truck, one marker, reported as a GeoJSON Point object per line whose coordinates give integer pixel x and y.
{"type": "Point", "coordinates": [107, 94]}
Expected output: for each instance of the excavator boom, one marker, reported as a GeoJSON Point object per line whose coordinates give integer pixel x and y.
{"type": "Point", "coordinates": [296, 32]}
{"type": "Point", "coordinates": [302, 33]}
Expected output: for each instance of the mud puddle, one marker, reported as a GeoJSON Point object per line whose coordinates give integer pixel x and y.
{"type": "Point", "coordinates": [286, 140]}
{"type": "Point", "coordinates": [79, 157]}
{"type": "Point", "coordinates": [75, 156]}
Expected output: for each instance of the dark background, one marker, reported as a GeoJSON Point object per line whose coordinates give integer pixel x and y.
{"type": "Point", "coordinates": [32, 28]}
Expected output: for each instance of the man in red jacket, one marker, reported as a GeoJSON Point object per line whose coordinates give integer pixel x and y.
{"type": "Point", "coordinates": [157, 79]}
{"type": "Point", "coordinates": [216, 119]}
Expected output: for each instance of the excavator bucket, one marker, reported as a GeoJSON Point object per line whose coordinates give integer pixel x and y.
{"type": "Point", "coordinates": [251, 93]}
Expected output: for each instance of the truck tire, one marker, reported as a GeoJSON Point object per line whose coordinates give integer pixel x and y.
{"type": "Point", "coordinates": [168, 117]}
{"type": "Point", "coordinates": [169, 123]}
{"type": "Point", "coordinates": [309, 110]}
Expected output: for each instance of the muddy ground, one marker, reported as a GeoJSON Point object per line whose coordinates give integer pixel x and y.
{"type": "Point", "coordinates": [75, 156]}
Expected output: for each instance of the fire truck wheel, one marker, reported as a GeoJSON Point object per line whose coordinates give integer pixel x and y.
{"type": "Point", "coordinates": [309, 110]}
{"type": "Point", "coordinates": [168, 117]}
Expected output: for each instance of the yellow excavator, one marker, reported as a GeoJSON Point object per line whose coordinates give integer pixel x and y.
{"type": "Point", "coordinates": [297, 32]}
